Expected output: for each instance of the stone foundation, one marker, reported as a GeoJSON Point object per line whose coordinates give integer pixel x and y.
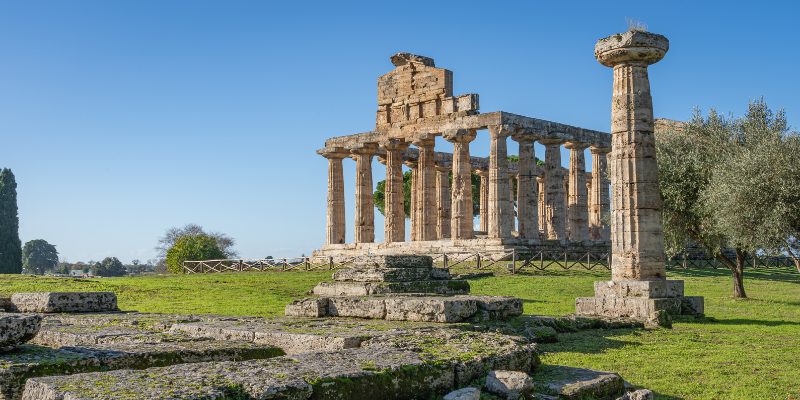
{"type": "Point", "coordinates": [55, 302]}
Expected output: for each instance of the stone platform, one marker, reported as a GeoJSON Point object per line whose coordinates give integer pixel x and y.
{"type": "Point", "coordinates": [653, 301]}
{"type": "Point", "coordinates": [61, 302]}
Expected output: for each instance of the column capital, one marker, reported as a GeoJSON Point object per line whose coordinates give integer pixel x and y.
{"type": "Point", "coordinates": [575, 145]}
{"type": "Point", "coordinates": [410, 163]}
{"type": "Point", "coordinates": [522, 136]}
{"type": "Point", "coordinates": [501, 131]}
{"type": "Point", "coordinates": [549, 142]}
{"type": "Point", "coordinates": [365, 149]}
{"type": "Point", "coordinates": [424, 140]}
{"type": "Point", "coordinates": [460, 135]}
{"type": "Point", "coordinates": [482, 172]}
{"type": "Point", "coordinates": [539, 179]}
{"type": "Point", "coordinates": [599, 150]}
{"type": "Point", "coordinates": [333, 152]}
{"type": "Point", "coordinates": [444, 166]}
{"type": "Point", "coordinates": [631, 47]}
{"type": "Point", "coordinates": [394, 144]}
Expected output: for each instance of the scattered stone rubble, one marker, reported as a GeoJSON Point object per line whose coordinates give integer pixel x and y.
{"type": "Point", "coordinates": [401, 288]}
{"type": "Point", "coordinates": [16, 329]}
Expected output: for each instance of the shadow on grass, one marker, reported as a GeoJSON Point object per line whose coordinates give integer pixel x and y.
{"type": "Point", "coordinates": [732, 321]}
{"type": "Point", "coordinates": [788, 275]}
{"type": "Point", "coordinates": [591, 341]}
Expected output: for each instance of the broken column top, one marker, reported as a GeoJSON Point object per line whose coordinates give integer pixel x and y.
{"type": "Point", "coordinates": [631, 46]}
{"type": "Point", "coordinates": [393, 261]}
{"type": "Point", "coordinates": [403, 58]}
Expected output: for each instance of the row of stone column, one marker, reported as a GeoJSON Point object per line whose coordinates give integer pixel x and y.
{"type": "Point", "coordinates": [440, 211]}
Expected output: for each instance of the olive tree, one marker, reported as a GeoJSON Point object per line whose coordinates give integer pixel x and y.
{"type": "Point", "coordinates": [731, 184]}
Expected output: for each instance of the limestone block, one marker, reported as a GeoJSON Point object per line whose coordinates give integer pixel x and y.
{"type": "Point", "coordinates": [692, 305]}
{"type": "Point", "coordinates": [314, 308]}
{"type": "Point", "coordinates": [649, 289]}
{"type": "Point", "coordinates": [650, 311]}
{"type": "Point", "coordinates": [440, 273]}
{"type": "Point", "coordinates": [579, 383]}
{"type": "Point", "coordinates": [64, 302]}
{"type": "Point", "coordinates": [393, 261]}
{"type": "Point", "coordinates": [16, 329]}
{"type": "Point", "coordinates": [382, 274]}
{"type": "Point", "coordinates": [497, 307]}
{"type": "Point", "coordinates": [430, 309]}
{"type": "Point", "coordinates": [510, 385]}
{"type": "Point", "coordinates": [360, 307]}
{"type": "Point", "coordinates": [641, 394]}
{"type": "Point", "coordinates": [331, 289]}
{"type": "Point", "coordinates": [468, 393]}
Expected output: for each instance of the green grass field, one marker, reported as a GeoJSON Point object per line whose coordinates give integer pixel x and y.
{"type": "Point", "coordinates": [744, 349]}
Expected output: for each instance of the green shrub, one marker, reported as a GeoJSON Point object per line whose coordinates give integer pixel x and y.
{"type": "Point", "coordinates": [192, 248]}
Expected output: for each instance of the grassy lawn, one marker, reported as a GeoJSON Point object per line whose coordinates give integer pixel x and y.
{"type": "Point", "coordinates": [745, 349]}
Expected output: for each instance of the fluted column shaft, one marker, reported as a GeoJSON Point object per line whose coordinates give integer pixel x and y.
{"type": "Point", "coordinates": [412, 164]}
{"type": "Point", "coordinates": [554, 191]}
{"type": "Point", "coordinates": [461, 225]}
{"type": "Point", "coordinates": [541, 207]}
{"type": "Point", "coordinates": [577, 208]}
{"type": "Point", "coordinates": [364, 213]}
{"type": "Point", "coordinates": [499, 202]}
{"type": "Point", "coordinates": [443, 202]}
{"type": "Point", "coordinates": [598, 197]}
{"type": "Point", "coordinates": [426, 200]}
{"type": "Point", "coordinates": [483, 197]}
{"type": "Point", "coordinates": [335, 216]}
{"type": "Point", "coordinates": [394, 213]}
{"type": "Point", "coordinates": [527, 192]}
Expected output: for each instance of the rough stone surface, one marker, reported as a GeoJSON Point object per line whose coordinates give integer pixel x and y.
{"type": "Point", "coordinates": [468, 393]}
{"type": "Point", "coordinates": [361, 307]}
{"type": "Point", "coordinates": [16, 329]}
{"type": "Point", "coordinates": [5, 304]}
{"type": "Point", "coordinates": [430, 309]}
{"type": "Point", "coordinates": [316, 307]}
{"type": "Point", "coordinates": [372, 288]}
{"type": "Point", "coordinates": [382, 274]}
{"type": "Point", "coordinates": [60, 302]}
{"type": "Point", "coordinates": [393, 261]}
{"type": "Point", "coordinates": [510, 385]}
{"type": "Point", "coordinates": [650, 289]}
{"type": "Point", "coordinates": [578, 383]}
{"type": "Point", "coordinates": [641, 394]}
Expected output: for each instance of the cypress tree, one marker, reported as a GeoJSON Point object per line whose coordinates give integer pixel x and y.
{"type": "Point", "coordinates": [10, 245]}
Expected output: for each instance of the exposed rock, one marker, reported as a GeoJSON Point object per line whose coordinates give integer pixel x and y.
{"type": "Point", "coordinates": [5, 304]}
{"type": "Point", "coordinates": [641, 394]}
{"type": "Point", "coordinates": [382, 274]}
{"type": "Point", "coordinates": [541, 334]}
{"type": "Point", "coordinates": [578, 383]}
{"type": "Point", "coordinates": [510, 385]}
{"type": "Point", "coordinates": [16, 329]}
{"type": "Point", "coordinates": [468, 393]}
{"type": "Point", "coordinates": [360, 307]}
{"type": "Point", "coordinates": [64, 302]}
{"type": "Point", "coordinates": [403, 58]}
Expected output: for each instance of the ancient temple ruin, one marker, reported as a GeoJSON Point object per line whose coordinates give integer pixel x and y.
{"type": "Point", "coordinates": [554, 206]}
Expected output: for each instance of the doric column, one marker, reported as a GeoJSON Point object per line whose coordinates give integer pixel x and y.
{"type": "Point", "coordinates": [483, 197]}
{"type": "Point", "coordinates": [577, 209]}
{"type": "Point", "coordinates": [554, 190]}
{"type": "Point", "coordinates": [394, 229]}
{"type": "Point", "coordinates": [364, 215]}
{"type": "Point", "coordinates": [527, 190]}
{"type": "Point", "coordinates": [542, 212]}
{"type": "Point", "coordinates": [443, 205]}
{"type": "Point", "coordinates": [461, 219]}
{"type": "Point", "coordinates": [512, 199]}
{"type": "Point", "coordinates": [426, 200]}
{"type": "Point", "coordinates": [637, 238]}
{"type": "Point", "coordinates": [499, 203]}
{"type": "Point", "coordinates": [335, 221]}
{"type": "Point", "coordinates": [412, 165]}
{"type": "Point", "coordinates": [598, 196]}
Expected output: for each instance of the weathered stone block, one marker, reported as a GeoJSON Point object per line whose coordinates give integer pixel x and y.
{"type": "Point", "coordinates": [510, 385]}
{"type": "Point", "coordinates": [314, 308]}
{"type": "Point", "coordinates": [468, 393]}
{"type": "Point", "coordinates": [332, 289]}
{"type": "Point", "coordinates": [578, 383]}
{"type": "Point", "coordinates": [650, 311]}
{"type": "Point", "coordinates": [649, 289]}
{"type": "Point", "coordinates": [430, 309]}
{"type": "Point", "coordinates": [692, 305]}
{"type": "Point", "coordinates": [498, 307]}
{"type": "Point", "coordinates": [440, 273]}
{"type": "Point", "coordinates": [382, 274]}
{"type": "Point", "coordinates": [16, 329]}
{"type": "Point", "coordinates": [64, 302]}
{"type": "Point", "coordinates": [641, 394]}
{"type": "Point", "coordinates": [361, 307]}
{"type": "Point", "coordinates": [393, 261]}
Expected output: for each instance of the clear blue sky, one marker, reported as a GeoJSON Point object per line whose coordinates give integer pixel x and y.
{"type": "Point", "coordinates": [121, 119]}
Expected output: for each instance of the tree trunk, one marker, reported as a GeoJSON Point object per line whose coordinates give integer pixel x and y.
{"type": "Point", "coordinates": [796, 263]}
{"type": "Point", "coordinates": [737, 269]}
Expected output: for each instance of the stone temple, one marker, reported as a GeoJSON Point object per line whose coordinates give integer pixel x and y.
{"type": "Point", "coordinates": [554, 206]}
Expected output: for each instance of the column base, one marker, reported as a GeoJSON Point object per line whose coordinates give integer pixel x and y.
{"type": "Point", "coordinates": [651, 302]}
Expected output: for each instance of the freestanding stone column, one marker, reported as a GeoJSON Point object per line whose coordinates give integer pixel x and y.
{"type": "Point", "coordinates": [395, 215]}
{"type": "Point", "coordinates": [335, 221]}
{"type": "Point", "coordinates": [554, 190]}
{"type": "Point", "coordinates": [443, 205]}
{"type": "Point", "coordinates": [412, 164]}
{"type": "Point", "coordinates": [499, 203]}
{"type": "Point", "coordinates": [365, 215]}
{"type": "Point", "coordinates": [598, 197]}
{"type": "Point", "coordinates": [426, 200]}
{"type": "Point", "coordinates": [638, 289]}
{"type": "Point", "coordinates": [542, 212]}
{"type": "Point", "coordinates": [577, 208]}
{"type": "Point", "coordinates": [483, 197]}
{"type": "Point", "coordinates": [461, 218]}
{"type": "Point", "coordinates": [527, 190]}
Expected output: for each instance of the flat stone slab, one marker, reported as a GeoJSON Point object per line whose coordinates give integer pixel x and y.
{"type": "Point", "coordinates": [382, 274]}
{"type": "Point", "coordinates": [64, 302]}
{"type": "Point", "coordinates": [416, 365]}
{"type": "Point", "coordinates": [16, 329]}
{"type": "Point", "coordinates": [409, 307]}
{"type": "Point", "coordinates": [650, 289]}
{"type": "Point", "coordinates": [578, 383]}
{"type": "Point", "coordinates": [393, 261]}
{"type": "Point", "coordinates": [29, 361]}
{"type": "Point", "coordinates": [373, 288]}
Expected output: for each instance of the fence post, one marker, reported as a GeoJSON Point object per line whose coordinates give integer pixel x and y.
{"type": "Point", "coordinates": [478, 260]}
{"type": "Point", "coordinates": [330, 263]}
{"type": "Point", "coordinates": [513, 261]}
{"type": "Point", "coordinates": [305, 261]}
{"type": "Point", "coordinates": [444, 261]}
